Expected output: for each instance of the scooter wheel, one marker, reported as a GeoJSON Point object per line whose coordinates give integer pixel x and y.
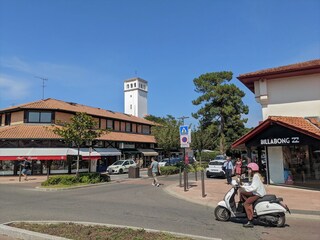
{"type": "Point", "coordinates": [222, 214]}
{"type": "Point", "coordinates": [281, 220]}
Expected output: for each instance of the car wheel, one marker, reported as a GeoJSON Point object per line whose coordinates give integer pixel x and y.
{"type": "Point", "coordinates": [120, 171]}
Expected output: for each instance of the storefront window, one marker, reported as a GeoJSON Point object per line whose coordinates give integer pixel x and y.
{"type": "Point", "coordinates": [301, 167]}
{"type": "Point", "coordinates": [83, 166]}
{"type": "Point", "coordinates": [6, 168]}
{"type": "Point", "coordinates": [58, 167]}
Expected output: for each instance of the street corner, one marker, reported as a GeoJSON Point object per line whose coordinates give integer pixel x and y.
{"type": "Point", "coordinates": [193, 194]}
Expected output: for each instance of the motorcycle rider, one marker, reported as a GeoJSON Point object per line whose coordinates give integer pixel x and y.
{"type": "Point", "coordinates": [251, 193]}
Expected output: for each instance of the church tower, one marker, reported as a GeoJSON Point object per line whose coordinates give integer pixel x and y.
{"type": "Point", "coordinates": [136, 97]}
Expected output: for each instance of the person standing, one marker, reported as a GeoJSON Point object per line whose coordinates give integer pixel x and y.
{"type": "Point", "coordinates": [228, 169]}
{"type": "Point", "coordinates": [25, 169]}
{"type": "Point", "coordinates": [155, 170]}
{"type": "Point", "coordinates": [238, 166]}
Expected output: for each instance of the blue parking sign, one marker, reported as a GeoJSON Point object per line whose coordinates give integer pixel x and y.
{"type": "Point", "coordinates": [184, 130]}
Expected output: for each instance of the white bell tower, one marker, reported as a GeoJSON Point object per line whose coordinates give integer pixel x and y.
{"type": "Point", "coordinates": [136, 97]}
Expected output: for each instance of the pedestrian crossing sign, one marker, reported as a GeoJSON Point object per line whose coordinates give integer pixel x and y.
{"type": "Point", "coordinates": [184, 130]}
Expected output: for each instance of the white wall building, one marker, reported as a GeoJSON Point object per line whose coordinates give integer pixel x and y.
{"type": "Point", "coordinates": [290, 96]}
{"type": "Point", "coordinates": [290, 132]}
{"type": "Point", "coordinates": [136, 97]}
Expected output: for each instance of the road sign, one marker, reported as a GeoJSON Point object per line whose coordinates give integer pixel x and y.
{"type": "Point", "coordinates": [184, 130]}
{"type": "Point", "coordinates": [184, 141]}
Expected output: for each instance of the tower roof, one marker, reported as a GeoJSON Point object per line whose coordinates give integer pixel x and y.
{"type": "Point", "coordinates": [134, 79]}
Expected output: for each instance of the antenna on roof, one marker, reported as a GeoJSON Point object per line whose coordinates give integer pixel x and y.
{"type": "Point", "coordinates": [43, 85]}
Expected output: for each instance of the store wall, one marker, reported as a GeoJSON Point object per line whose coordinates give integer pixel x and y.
{"type": "Point", "coordinates": [63, 117]}
{"type": "Point", "coordinates": [276, 170]}
{"type": "Point", "coordinates": [293, 96]}
{"type": "Point", "coordinates": [17, 117]}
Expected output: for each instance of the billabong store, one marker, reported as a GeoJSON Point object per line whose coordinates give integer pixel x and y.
{"type": "Point", "coordinates": [290, 148]}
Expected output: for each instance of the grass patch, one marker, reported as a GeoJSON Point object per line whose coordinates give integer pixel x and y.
{"type": "Point", "coordinates": [82, 232]}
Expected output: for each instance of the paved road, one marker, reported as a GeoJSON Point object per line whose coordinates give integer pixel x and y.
{"type": "Point", "coordinates": [136, 203]}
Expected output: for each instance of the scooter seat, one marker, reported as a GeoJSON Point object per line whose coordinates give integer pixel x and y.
{"type": "Point", "coordinates": [266, 198]}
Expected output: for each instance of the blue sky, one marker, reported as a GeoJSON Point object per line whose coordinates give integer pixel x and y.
{"type": "Point", "coordinates": [88, 48]}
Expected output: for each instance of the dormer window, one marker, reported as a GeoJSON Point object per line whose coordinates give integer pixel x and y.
{"type": "Point", "coordinates": [39, 117]}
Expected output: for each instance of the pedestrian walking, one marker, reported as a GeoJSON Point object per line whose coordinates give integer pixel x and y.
{"type": "Point", "coordinates": [155, 170]}
{"type": "Point", "coordinates": [25, 169]}
{"type": "Point", "coordinates": [228, 169]}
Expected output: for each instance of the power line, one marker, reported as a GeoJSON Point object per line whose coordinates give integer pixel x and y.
{"type": "Point", "coordinates": [43, 85]}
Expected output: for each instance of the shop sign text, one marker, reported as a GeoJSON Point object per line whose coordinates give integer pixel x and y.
{"type": "Point", "coordinates": [280, 141]}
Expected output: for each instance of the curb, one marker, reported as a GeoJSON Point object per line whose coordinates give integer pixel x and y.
{"type": "Point", "coordinates": [30, 235]}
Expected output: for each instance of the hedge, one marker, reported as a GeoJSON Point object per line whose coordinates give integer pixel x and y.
{"type": "Point", "coordinates": [88, 178]}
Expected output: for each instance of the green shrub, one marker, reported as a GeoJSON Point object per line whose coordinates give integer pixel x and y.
{"type": "Point", "coordinates": [169, 170]}
{"type": "Point", "coordinates": [88, 178]}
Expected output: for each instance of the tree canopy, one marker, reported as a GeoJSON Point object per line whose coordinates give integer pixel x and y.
{"type": "Point", "coordinates": [167, 132]}
{"type": "Point", "coordinates": [221, 107]}
{"type": "Point", "coordinates": [80, 129]}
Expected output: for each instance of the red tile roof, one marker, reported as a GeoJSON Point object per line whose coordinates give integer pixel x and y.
{"type": "Point", "coordinates": [307, 126]}
{"type": "Point", "coordinates": [54, 104]}
{"type": "Point", "coordinates": [297, 69]}
{"type": "Point", "coordinates": [28, 131]}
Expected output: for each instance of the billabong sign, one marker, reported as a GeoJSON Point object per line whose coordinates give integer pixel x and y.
{"type": "Point", "coordinates": [280, 141]}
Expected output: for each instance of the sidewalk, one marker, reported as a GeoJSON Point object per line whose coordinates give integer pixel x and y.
{"type": "Point", "coordinates": [299, 201]}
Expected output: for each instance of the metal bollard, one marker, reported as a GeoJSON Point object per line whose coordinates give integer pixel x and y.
{"type": "Point", "coordinates": [185, 179]}
{"type": "Point", "coordinates": [20, 173]}
{"type": "Point", "coordinates": [202, 184]}
{"type": "Point", "coordinates": [180, 177]}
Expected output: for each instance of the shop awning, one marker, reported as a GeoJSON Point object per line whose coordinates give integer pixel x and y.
{"type": "Point", "coordinates": [35, 153]}
{"type": "Point", "coordinates": [97, 153]}
{"type": "Point", "coordinates": [130, 151]}
{"type": "Point", "coordinates": [11, 154]}
{"type": "Point", "coordinates": [148, 152]}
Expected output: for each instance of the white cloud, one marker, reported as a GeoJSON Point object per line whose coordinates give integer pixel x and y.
{"type": "Point", "coordinates": [13, 89]}
{"type": "Point", "coordinates": [53, 71]}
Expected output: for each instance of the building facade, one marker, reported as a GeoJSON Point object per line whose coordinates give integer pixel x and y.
{"type": "Point", "coordinates": [26, 132]}
{"type": "Point", "coordinates": [136, 97]}
{"type": "Point", "coordinates": [287, 142]}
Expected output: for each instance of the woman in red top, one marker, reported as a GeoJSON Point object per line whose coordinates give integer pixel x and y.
{"type": "Point", "coordinates": [238, 166]}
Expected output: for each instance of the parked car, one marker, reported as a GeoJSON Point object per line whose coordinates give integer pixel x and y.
{"type": "Point", "coordinates": [214, 169]}
{"type": "Point", "coordinates": [164, 162]}
{"type": "Point", "coordinates": [121, 166]}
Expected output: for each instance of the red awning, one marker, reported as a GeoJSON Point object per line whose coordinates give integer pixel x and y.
{"type": "Point", "coordinates": [45, 158]}
{"type": "Point", "coordinates": [18, 154]}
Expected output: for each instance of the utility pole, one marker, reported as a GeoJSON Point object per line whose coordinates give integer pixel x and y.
{"type": "Point", "coordinates": [185, 173]}
{"type": "Point", "coordinates": [43, 85]}
{"type": "Point", "coordinates": [183, 118]}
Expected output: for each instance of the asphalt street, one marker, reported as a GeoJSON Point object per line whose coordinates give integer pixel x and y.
{"type": "Point", "coordinates": [136, 203]}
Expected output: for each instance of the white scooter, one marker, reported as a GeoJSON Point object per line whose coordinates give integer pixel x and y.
{"type": "Point", "coordinates": [268, 209]}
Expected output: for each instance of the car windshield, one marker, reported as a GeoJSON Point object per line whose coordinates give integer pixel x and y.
{"type": "Point", "coordinates": [219, 157]}
{"type": "Point", "coordinates": [118, 163]}
{"type": "Point", "coordinates": [216, 163]}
